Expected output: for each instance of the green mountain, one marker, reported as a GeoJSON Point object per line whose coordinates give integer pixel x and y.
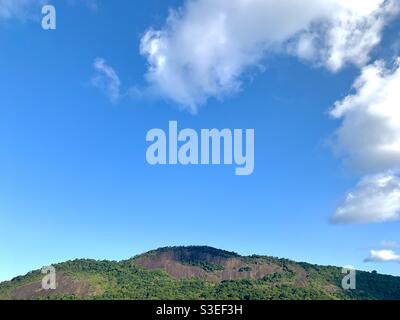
{"type": "Point", "coordinates": [199, 273]}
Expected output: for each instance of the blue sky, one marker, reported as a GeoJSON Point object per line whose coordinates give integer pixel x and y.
{"type": "Point", "coordinates": [74, 181]}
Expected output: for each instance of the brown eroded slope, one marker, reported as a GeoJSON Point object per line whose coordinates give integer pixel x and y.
{"type": "Point", "coordinates": [206, 263]}
{"type": "Point", "coordinates": [65, 286]}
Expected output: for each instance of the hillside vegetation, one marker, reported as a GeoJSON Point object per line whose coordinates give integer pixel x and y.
{"type": "Point", "coordinates": [199, 273]}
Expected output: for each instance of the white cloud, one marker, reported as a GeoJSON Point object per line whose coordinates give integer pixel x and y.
{"type": "Point", "coordinates": [376, 199]}
{"type": "Point", "coordinates": [383, 256]}
{"type": "Point", "coordinates": [106, 79]}
{"type": "Point", "coordinates": [205, 47]}
{"type": "Point", "coordinates": [356, 30]}
{"type": "Point", "coordinates": [369, 140]}
{"type": "Point", "coordinates": [369, 136]}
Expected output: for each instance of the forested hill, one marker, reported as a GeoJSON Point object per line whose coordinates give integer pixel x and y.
{"type": "Point", "coordinates": [199, 273]}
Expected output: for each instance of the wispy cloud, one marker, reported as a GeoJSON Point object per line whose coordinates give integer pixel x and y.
{"type": "Point", "coordinates": [22, 9]}
{"type": "Point", "coordinates": [390, 244]}
{"type": "Point", "coordinates": [106, 79]}
{"type": "Point", "coordinates": [383, 256]}
{"type": "Point", "coordinates": [206, 46]}
{"type": "Point", "coordinates": [91, 4]}
{"type": "Point", "coordinates": [28, 9]}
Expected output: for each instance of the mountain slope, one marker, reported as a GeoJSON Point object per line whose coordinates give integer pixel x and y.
{"type": "Point", "coordinates": [199, 273]}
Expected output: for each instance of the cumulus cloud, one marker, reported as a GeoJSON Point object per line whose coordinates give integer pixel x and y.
{"type": "Point", "coordinates": [376, 199]}
{"type": "Point", "coordinates": [355, 30]}
{"type": "Point", "coordinates": [369, 136]}
{"type": "Point", "coordinates": [106, 79]}
{"type": "Point", "coordinates": [206, 46]}
{"type": "Point", "coordinates": [369, 140]}
{"type": "Point", "coordinates": [383, 256]}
